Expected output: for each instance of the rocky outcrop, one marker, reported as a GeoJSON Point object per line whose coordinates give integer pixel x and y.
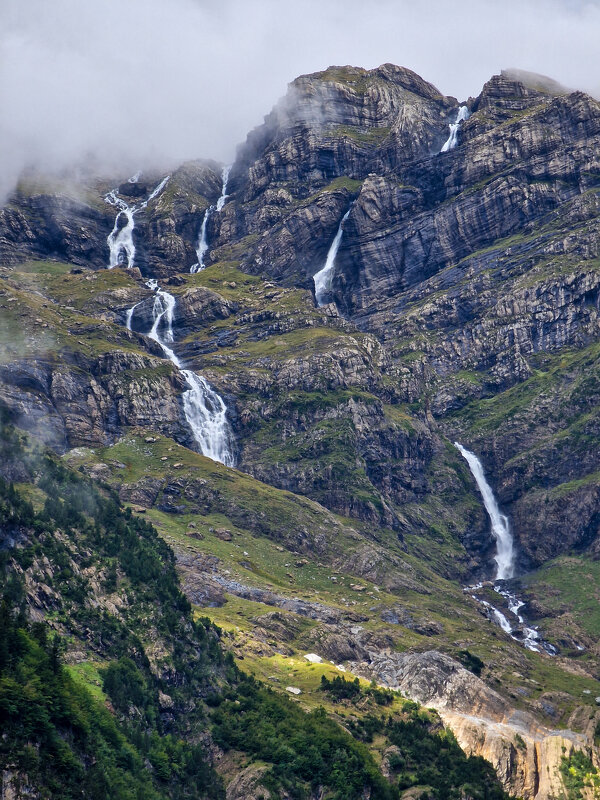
{"type": "Point", "coordinates": [15, 785]}
{"type": "Point", "coordinates": [341, 122]}
{"type": "Point", "coordinates": [49, 222]}
{"type": "Point", "coordinates": [194, 308]}
{"type": "Point", "coordinates": [90, 404]}
{"type": "Point", "coordinates": [495, 184]}
{"type": "Point", "coordinates": [526, 755]}
{"type": "Point", "coordinates": [331, 130]}
{"type": "Point", "coordinates": [247, 785]}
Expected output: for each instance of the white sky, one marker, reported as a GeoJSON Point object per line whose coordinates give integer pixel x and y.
{"type": "Point", "coordinates": [132, 81]}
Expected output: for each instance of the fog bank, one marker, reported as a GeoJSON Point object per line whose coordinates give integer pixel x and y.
{"type": "Point", "coordinates": [133, 82]}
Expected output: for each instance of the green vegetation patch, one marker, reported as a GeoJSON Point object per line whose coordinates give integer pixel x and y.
{"type": "Point", "coordinates": [579, 775]}
{"type": "Point", "coordinates": [372, 137]}
{"type": "Point", "coordinates": [344, 182]}
{"type": "Point", "coordinates": [51, 724]}
{"type": "Point", "coordinates": [572, 582]}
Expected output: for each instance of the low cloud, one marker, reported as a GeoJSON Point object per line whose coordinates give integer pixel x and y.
{"type": "Point", "coordinates": [127, 83]}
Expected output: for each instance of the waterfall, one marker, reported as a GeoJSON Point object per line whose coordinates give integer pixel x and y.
{"type": "Point", "coordinates": [206, 414]}
{"type": "Point", "coordinates": [120, 240]}
{"type": "Point", "coordinates": [526, 635]}
{"type": "Point", "coordinates": [217, 207]}
{"type": "Point", "coordinates": [205, 411]}
{"type": "Point", "coordinates": [202, 243]}
{"type": "Point", "coordinates": [129, 316]}
{"type": "Point", "coordinates": [324, 278]}
{"type": "Point", "coordinates": [504, 557]}
{"type": "Point", "coordinates": [224, 195]}
{"type": "Point", "coordinates": [452, 140]}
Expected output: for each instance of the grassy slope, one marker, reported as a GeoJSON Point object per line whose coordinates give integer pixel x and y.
{"type": "Point", "coordinates": [270, 564]}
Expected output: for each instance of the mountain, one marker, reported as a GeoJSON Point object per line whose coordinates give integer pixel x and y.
{"type": "Point", "coordinates": [457, 246]}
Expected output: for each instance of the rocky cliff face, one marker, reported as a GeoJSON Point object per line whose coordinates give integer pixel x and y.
{"type": "Point", "coordinates": [295, 176]}
{"type": "Point", "coordinates": [468, 268]}
{"type": "Point", "coordinates": [526, 755]}
{"type": "Point", "coordinates": [473, 266]}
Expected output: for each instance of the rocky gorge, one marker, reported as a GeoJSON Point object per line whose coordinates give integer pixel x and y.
{"type": "Point", "coordinates": [464, 305]}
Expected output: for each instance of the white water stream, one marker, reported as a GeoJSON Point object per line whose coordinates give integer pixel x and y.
{"type": "Point", "coordinates": [205, 410]}
{"type": "Point", "coordinates": [217, 207]}
{"type": "Point", "coordinates": [505, 557]}
{"type": "Point", "coordinates": [452, 140]}
{"type": "Point", "coordinates": [505, 565]}
{"type": "Point", "coordinates": [324, 277]}
{"type": "Point", "coordinates": [120, 239]}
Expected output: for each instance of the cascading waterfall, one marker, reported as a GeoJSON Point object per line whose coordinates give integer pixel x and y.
{"type": "Point", "coordinates": [452, 140]}
{"type": "Point", "coordinates": [224, 195]}
{"type": "Point", "coordinates": [204, 409]}
{"type": "Point", "coordinates": [120, 240]}
{"type": "Point", "coordinates": [505, 565]}
{"type": "Point", "coordinates": [217, 207]}
{"type": "Point", "coordinates": [129, 316]}
{"type": "Point", "coordinates": [324, 278]}
{"type": "Point", "coordinates": [202, 243]}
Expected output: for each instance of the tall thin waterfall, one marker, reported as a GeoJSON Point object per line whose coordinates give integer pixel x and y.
{"type": "Point", "coordinates": [202, 243]}
{"type": "Point", "coordinates": [204, 409]}
{"type": "Point", "coordinates": [324, 277]}
{"type": "Point", "coordinates": [452, 140]}
{"type": "Point", "coordinates": [120, 240]}
{"type": "Point", "coordinates": [528, 636]}
{"type": "Point", "coordinates": [217, 207]}
{"type": "Point", "coordinates": [225, 177]}
{"type": "Point", "coordinates": [505, 556]}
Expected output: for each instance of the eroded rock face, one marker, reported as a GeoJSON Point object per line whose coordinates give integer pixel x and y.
{"type": "Point", "coordinates": [88, 405]}
{"type": "Point", "coordinates": [16, 786]}
{"type": "Point", "coordinates": [39, 223]}
{"type": "Point", "coordinates": [525, 754]}
{"type": "Point", "coordinates": [495, 184]}
{"type": "Point", "coordinates": [247, 785]}
{"type": "Point", "coordinates": [194, 308]}
{"type": "Point", "coordinates": [343, 124]}
{"type": "Point", "coordinates": [306, 137]}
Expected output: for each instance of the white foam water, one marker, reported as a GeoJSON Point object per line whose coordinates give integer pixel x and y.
{"type": "Point", "coordinates": [504, 557]}
{"type": "Point", "coordinates": [120, 242]}
{"type": "Point", "coordinates": [217, 207]}
{"type": "Point", "coordinates": [452, 140]}
{"type": "Point", "coordinates": [204, 409]}
{"type": "Point", "coordinates": [323, 279]}
{"type": "Point", "coordinates": [225, 177]}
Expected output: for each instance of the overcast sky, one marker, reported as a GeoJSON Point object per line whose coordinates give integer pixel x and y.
{"type": "Point", "coordinates": [133, 81]}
